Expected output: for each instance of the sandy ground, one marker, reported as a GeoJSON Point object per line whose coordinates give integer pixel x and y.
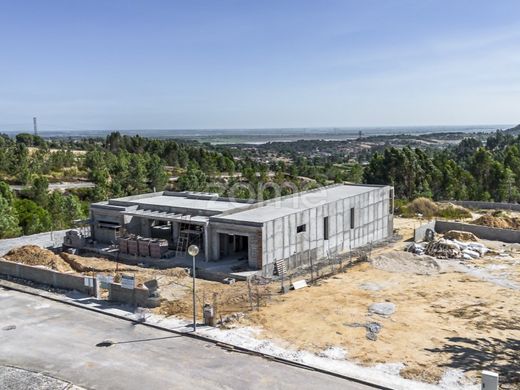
{"type": "Point", "coordinates": [466, 316]}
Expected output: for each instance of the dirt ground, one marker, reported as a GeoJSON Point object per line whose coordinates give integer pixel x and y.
{"type": "Point", "coordinates": [461, 317]}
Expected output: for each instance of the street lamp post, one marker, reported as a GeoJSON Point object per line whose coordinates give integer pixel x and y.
{"type": "Point", "coordinates": [193, 251]}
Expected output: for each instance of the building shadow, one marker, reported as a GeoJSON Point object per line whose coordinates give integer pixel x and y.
{"type": "Point", "coordinates": [497, 355]}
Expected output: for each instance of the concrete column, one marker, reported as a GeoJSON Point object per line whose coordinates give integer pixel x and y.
{"type": "Point", "coordinates": [206, 244]}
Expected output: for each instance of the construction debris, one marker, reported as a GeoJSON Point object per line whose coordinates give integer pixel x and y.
{"type": "Point", "coordinates": [450, 249]}
{"type": "Point", "coordinates": [299, 284]}
{"type": "Point", "coordinates": [373, 328]}
{"type": "Point", "coordinates": [382, 308]}
{"type": "Point", "coordinates": [460, 235]}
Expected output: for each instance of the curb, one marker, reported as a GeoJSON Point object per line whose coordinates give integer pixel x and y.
{"type": "Point", "coordinates": [228, 347]}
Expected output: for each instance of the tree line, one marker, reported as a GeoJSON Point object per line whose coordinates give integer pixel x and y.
{"type": "Point", "coordinates": [472, 170]}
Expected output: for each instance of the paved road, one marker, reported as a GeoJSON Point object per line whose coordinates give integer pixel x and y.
{"type": "Point", "coordinates": [61, 340]}
{"type": "Point", "coordinates": [45, 240]}
{"type": "Point", "coordinates": [64, 185]}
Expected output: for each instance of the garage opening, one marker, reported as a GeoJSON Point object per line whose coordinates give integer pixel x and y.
{"type": "Point", "coordinates": [233, 246]}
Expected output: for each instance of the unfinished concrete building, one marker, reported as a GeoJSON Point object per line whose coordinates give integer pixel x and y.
{"type": "Point", "coordinates": [299, 228]}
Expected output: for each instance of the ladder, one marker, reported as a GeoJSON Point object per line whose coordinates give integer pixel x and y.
{"type": "Point", "coordinates": [183, 241]}
{"type": "Point", "coordinates": [182, 244]}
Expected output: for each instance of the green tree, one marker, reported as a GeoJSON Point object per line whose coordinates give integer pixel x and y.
{"type": "Point", "coordinates": [192, 180]}
{"type": "Point", "coordinates": [157, 176]}
{"type": "Point", "coordinates": [8, 217]}
{"type": "Point", "coordinates": [33, 218]}
{"type": "Point", "coordinates": [39, 191]}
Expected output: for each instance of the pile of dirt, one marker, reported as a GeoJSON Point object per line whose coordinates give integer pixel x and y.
{"type": "Point", "coordinates": [502, 222]}
{"type": "Point", "coordinates": [405, 262]}
{"type": "Point", "coordinates": [175, 307]}
{"type": "Point", "coordinates": [460, 235]}
{"type": "Point", "coordinates": [94, 264]}
{"type": "Point", "coordinates": [35, 255]}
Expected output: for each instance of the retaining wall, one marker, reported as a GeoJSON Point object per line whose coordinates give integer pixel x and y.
{"type": "Point", "coordinates": [487, 205]}
{"type": "Point", "coordinates": [138, 296]}
{"type": "Point", "coordinates": [485, 232]}
{"type": "Point", "coordinates": [45, 276]}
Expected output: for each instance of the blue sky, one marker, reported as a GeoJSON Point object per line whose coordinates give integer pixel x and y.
{"type": "Point", "coordinates": [110, 64]}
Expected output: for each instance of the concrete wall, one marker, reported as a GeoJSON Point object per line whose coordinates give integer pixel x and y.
{"type": "Point", "coordinates": [373, 222]}
{"type": "Point", "coordinates": [137, 296]}
{"type": "Point", "coordinates": [45, 276]}
{"type": "Point", "coordinates": [484, 232]}
{"type": "Point", "coordinates": [419, 232]}
{"type": "Point", "coordinates": [487, 205]}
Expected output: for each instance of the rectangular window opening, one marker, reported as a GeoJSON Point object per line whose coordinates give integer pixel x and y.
{"type": "Point", "coordinates": [301, 228]}
{"type": "Point", "coordinates": [325, 228]}
{"type": "Point", "coordinates": [352, 218]}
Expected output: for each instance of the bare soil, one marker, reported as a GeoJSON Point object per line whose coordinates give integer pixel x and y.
{"type": "Point", "coordinates": [35, 255]}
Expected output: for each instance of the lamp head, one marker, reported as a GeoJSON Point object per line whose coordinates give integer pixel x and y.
{"type": "Point", "coordinates": [193, 250]}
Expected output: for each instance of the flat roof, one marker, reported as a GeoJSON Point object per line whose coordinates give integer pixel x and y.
{"type": "Point", "coordinates": [227, 210]}
{"type": "Point", "coordinates": [280, 207]}
{"type": "Point", "coordinates": [188, 203]}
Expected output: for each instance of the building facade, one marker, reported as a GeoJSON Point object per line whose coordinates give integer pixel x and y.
{"type": "Point", "coordinates": [298, 228]}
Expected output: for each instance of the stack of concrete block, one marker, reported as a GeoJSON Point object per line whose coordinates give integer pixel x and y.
{"type": "Point", "coordinates": [73, 238]}
{"type": "Point", "coordinates": [144, 246]}
{"type": "Point", "coordinates": [158, 248]}
{"type": "Point", "coordinates": [123, 244]}
{"type": "Point", "coordinates": [132, 246]}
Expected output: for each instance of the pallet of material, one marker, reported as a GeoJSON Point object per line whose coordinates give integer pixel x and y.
{"type": "Point", "coordinates": [132, 247]}
{"type": "Point", "coordinates": [158, 248]}
{"type": "Point", "coordinates": [123, 245]}
{"type": "Point", "coordinates": [144, 246]}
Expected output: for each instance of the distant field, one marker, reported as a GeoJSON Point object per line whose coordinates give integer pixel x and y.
{"type": "Point", "coordinates": [255, 136]}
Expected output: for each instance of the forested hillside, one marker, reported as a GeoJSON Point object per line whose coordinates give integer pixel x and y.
{"type": "Point", "coordinates": [121, 165]}
{"type": "Point", "coordinates": [469, 171]}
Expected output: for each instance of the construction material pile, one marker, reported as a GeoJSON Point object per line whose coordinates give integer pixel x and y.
{"type": "Point", "coordinates": [450, 249]}
{"type": "Point", "coordinates": [140, 246]}
{"type": "Point", "coordinates": [35, 255]}
{"type": "Point", "coordinates": [460, 235]}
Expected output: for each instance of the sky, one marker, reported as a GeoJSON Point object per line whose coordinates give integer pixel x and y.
{"type": "Point", "coordinates": [166, 64]}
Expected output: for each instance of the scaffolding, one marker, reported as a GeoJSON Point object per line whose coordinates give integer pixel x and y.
{"type": "Point", "coordinates": [189, 234]}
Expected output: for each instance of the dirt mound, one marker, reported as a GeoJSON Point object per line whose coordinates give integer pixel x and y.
{"type": "Point", "coordinates": [423, 206]}
{"type": "Point", "coordinates": [175, 307]}
{"type": "Point", "coordinates": [35, 255]}
{"type": "Point", "coordinates": [405, 262]}
{"type": "Point", "coordinates": [460, 235]}
{"type": "Point", "coordinates": [502, 222]}
{"type": "Point", "coordinates": [94, 264]}
{"type": "Point", "coordinates": [177, 272]}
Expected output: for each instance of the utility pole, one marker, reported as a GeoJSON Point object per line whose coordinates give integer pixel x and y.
{"type": "Point", "coordinates": [35, 125]}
